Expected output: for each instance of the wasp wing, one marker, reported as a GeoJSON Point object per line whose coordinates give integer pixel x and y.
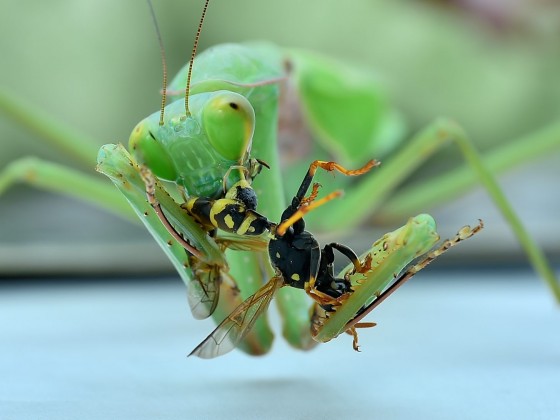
{"type": "Point", "coordinates": [203, 291]}
{"type": "Point", "coordinates": [231, 331]}
{"type": "Point", "coordinates": [243, 243]}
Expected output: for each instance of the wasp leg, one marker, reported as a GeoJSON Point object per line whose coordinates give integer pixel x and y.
{"type": "Point", "coordinates": [349, 253]}
{"type": "Point", "coordinates": [301, 205]}
{"type": "Point", "coordinates": [283, 227]}
{"type": "Point", "coordinates": [314, 192]}
{"type": "Point", "coordinates": [327, 290]}
{"type": "Point", "coordinates": [322, 298]}
{"type": "Point", "coordinates": [329, 166]}
{"type": "Point", "coordinates": [354, 333]}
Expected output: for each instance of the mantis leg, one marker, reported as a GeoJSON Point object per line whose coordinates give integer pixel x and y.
{"type": "Point", "coordinates": [64, 180]}
{"type": "Point", "coordinates": [372, 192]}
{"type": "Point", "coordinates": [52, 176]}
{"type": "Point", "coordinates": [81, 148]}
{"type": "Point", "coordinates": [115, 162]}
{"type": "Point", "coordinates": [436, 191]}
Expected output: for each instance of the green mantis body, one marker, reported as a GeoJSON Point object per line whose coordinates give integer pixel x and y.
{"type": "Point", "coordinates": [346, 113]}
{"type": "Point", "coordinates": [393, 260]}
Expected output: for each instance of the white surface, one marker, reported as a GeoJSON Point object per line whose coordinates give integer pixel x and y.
{"type": "Point", "coordinates": [481, 345]}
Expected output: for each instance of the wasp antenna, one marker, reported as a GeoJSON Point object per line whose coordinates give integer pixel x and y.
{"type": "Point", "coordinates": [189, 74]}
{"type": "Point", "coordinates": [163, 62]}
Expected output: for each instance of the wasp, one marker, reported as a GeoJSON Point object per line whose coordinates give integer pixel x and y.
{"type": "Point", "coordinates": [301, 263]}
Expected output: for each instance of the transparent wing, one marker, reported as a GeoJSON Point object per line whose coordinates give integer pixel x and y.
{"type": "Point", "coordinates": [243, 243]}
{"type": "Point", "coordinates": [231, 331]}
{"type": "Point", "coordinates": [203, 291]}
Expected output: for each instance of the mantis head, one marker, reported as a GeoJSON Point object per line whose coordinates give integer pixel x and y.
{"type": "Point", "coordinates": [199, 147]}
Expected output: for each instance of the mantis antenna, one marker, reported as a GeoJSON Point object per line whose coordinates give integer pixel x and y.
{"type": "Point", "coordinates": [189, 74]}
{"type": "Point", "coordinates": [163, 62]}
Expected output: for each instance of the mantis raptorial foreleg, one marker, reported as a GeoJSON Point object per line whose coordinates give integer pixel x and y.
{"type": "Point", "coordinates": [395, 258]}
{"type": "Point", "coordinates": [116, 163]}
{"type": "Point", "coordinates": [360, 202]}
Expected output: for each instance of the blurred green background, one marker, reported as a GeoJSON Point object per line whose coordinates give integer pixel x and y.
{"type": "Point", "coordinates": [492, 66]}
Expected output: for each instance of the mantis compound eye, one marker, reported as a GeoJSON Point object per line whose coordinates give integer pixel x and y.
{"type": "Point", "coordinates": [148, 151]}
{"type": "Point", "coordinates": [229, 121]}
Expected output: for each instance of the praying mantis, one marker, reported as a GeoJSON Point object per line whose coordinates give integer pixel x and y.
{"type": "Point", "coordinates": [358, 199]}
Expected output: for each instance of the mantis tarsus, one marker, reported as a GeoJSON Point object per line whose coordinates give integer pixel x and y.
{"type": "Point", "coordinates": [394, 169]}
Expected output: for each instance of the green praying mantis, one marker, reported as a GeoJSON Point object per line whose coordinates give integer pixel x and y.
{"type": "Point", "coordinates": [360, 119]}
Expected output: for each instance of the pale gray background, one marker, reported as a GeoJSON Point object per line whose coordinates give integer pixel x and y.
{"type": "Point", "coordinates": [449, 345]}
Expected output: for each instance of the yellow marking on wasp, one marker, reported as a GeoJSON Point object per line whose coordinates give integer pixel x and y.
{"type": "Point", "coordinates": [246, 224]}
{"type": "Point", "coordinates": [218, 207]}
{"type": "Point", "coordinates": [295, 276]}
{"type": "Point", "coordinates": [190, 204]}
{"type": "Point", "coordinates": [277, 255]}
{"type": "Point", "coordinates": [228, 220]}
{"type": "Point", "coordinates": [232, 192]}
